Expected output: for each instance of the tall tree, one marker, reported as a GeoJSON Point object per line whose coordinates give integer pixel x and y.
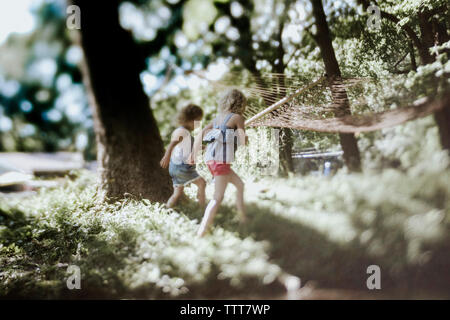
{"type": "Point", "coordinates": [323, 39]}
{"type": "Point", "coordinates": [278, 65]}
{"type": "Point", "coordinates": [432, 24]}
{"type": "Point", "coordinates": [273, 54]}
{"type": "Point", "coordinates": [128, 141]}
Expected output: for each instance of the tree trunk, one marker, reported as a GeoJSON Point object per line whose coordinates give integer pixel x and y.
{"type": "Point", "coordinates": [323, 39]}
{"type": "Point", "coordinates": [286, 143]}
{"type": "Point", "coordinates": [286, 140]}
{"type": "Point", "coordinates": [247, 55]}
{"type": "Point", "coordinates": [129, 146]}
{"type": "Point", "coordinates": [412, 55]}
{"type": "Point", "coordinates": [427, 24]}
{"type": "Point", "coordinates": [442, 117]}
{"type": "Point", "coordinates": [428, 38]}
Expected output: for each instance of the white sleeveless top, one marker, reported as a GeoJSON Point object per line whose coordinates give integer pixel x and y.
{"type": "Point", "coordinates": [180, 154]}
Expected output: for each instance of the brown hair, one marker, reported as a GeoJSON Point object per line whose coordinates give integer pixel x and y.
{"type": "Point", "coordinates": [233, 101]}
{"type": "Point", "coordinates": [189, 113]}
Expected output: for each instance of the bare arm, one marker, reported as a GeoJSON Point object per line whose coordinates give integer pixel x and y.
{"type": "Point", "coordinates": [177, 137]}
{"type": "Point", "coordinates": [198, 143]}
{"type": "Point", "coordinates": [240, 127]}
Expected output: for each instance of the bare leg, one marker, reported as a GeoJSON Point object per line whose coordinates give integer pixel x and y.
{"type": "Point", "coordinates": [177, 192]}
{"type": "Point", "coordinates": [201, 185]}
{"type": "Point", "coordinates": [220, 185]}
{"type": "Point", "coordinates": [239, 184]}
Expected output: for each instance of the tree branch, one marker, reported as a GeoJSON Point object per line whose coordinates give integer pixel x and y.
{"type": "Point", "coordinates": [308, 31]}
{"type": "Point", "coordinates": [407, 29]}
{"type": "Point", "coordinates": [398, 62]}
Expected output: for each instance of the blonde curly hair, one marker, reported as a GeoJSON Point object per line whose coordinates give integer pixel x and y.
{"type": "Point", "coordinates": [233, 101]}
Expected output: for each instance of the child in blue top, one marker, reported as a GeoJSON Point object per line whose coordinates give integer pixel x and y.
{"type": "Point", "coordinates": [177, 155]}
{"type": "Point", "coordinates": [224, 134]}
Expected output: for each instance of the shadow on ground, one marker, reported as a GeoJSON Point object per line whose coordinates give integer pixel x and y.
{"type": "Point", "coordinates": [336, 270]}
{"type": "Point", "coordinates": [35, 258]}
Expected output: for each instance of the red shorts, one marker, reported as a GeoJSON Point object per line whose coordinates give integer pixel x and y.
{"type": "Point", "coordinates": [218, 168]}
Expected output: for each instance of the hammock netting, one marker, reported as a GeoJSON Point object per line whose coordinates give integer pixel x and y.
{"type": "Point", "coordinates": [338, 105]}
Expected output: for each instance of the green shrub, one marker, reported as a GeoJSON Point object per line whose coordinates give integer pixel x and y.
{"type": "Point", "coordinates": [398, 220]}
{"type": "Point", "coordinates": [324, 229]}
{"type": "Point", "coordinates": [132, 248]}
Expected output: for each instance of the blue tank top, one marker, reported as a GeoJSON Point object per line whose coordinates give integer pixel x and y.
{"type": "Point", "coordinates": [223, 144]}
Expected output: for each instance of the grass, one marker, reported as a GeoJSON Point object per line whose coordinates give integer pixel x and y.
{"type": "Point", "coordinates": [132, 249]}
{"type": "Point", "coordinates": [327, 230]}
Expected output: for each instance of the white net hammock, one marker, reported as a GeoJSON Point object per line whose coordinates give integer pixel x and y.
{"type": "Point", "coordinates": [339, 105]}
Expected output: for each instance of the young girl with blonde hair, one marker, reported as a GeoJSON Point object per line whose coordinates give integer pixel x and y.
{"type": "Point", "coordinates": [223, 135]}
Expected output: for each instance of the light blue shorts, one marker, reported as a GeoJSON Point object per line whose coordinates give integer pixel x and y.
{"type": "Point", "coordinates": [182, 174]}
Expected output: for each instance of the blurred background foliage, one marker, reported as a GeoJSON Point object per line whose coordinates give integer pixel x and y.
{"type": "Point", "coordinates": [44, 107]}
{"type": "Point", "coordinates": [42, 100]}
{"type": "Point", "coordinates": [321, 228]}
